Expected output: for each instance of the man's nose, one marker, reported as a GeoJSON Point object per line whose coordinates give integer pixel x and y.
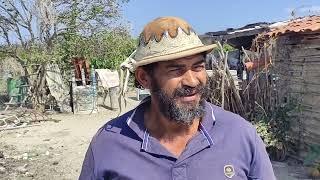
{"type": "Point", "coordinates": [189, 79]}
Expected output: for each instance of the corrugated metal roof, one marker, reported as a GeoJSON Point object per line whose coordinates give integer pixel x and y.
{"type": "Point", "coordinates": [305, 24]}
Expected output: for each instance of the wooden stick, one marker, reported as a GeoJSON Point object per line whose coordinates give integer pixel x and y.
{"type": "Point", "coordinates": [50, 119]}
{"type": "Point", "coordinates": [245, 53]}
{"type": "Point", "coordinates": [223, 79]}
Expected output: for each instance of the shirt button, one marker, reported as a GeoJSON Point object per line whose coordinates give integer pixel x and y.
{"type": "Point", "coordinates": [179, 172]}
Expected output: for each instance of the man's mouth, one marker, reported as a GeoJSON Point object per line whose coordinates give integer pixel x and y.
{"type": "Point", "coordinates": [189, 98]}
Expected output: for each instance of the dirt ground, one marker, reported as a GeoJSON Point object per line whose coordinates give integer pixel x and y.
{"type": "Point", "coordinates": [56, 150]}
{"type": "Point", "coordinates": [51, 150]}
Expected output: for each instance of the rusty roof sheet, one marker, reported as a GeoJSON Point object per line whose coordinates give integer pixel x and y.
{"type": "Point", "coordinates": [305, 24]}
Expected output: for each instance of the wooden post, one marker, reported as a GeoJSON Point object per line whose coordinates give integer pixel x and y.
{"type": "Point", "coordinates": [113, 97]}
{"type": "Point", "coordinates": [83, 77]}
{"type": "Point", "coordinates": [72, 93]}
{"type": "Point", "coordinates": [94, 89]}
{"type": "Point", "coordinates": [223, 78]}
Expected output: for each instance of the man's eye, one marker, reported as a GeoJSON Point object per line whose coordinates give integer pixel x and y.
{"type": "Point", "coordinates": [199, 67]}
{"type": "Point", "coordinates": [174, 69]}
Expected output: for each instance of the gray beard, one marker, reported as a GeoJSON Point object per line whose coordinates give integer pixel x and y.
{"type": "Point", "coordinates": [184, 113]}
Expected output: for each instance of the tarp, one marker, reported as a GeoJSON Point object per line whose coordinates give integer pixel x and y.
{"type": "Point", "coordinates": [108, 78]}
{"type": "Point", "coordinates": [56, 86]}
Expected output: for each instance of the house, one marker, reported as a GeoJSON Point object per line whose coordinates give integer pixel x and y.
{"type": "Point", "coordinates": [294, 47]}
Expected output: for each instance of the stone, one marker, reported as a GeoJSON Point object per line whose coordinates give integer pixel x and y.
{"type": "Point", "coordinates": [2, 163]}
{"type": "Point", "coordinates": [25, 156]}
{"type": "Point", "coordinates": [17, 157]}
{"type": "Point", "coordinates": [47, 153]}
{"type": "Point", "coordinates": [29, 174]}
{"type": "Point", "coordinates": [34, 154]}
{"type": "Point", "coordinates": [2, 170]}
{"type": "Point", "coordinates": [22, 169]}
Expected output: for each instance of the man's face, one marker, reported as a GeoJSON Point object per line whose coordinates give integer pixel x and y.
{"type": "Point", "coordinates": [179, 87]}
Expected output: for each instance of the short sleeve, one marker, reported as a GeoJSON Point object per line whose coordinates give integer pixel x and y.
{"type": "Point", "coordinates": [260, 167]}
{"type": "Point", "coordinates": [87, 172]}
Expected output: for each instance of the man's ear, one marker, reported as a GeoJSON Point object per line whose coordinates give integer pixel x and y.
{"type": "Point", "coordinates": [143, 78]}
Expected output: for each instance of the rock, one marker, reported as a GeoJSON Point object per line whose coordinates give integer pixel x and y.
{"type": "Point", "coordinates": [46, 140]}
{"type": "Point", "coordinates": [22, 169]}
{"type": "Point", "coordinates": [18, 157]}
{"type": "Point", "coordinates": [33, 154]}
{"type": "Point", "coordinates": [29, 174]}
{"type": "Point", "coordinates": [2, 163]}
{"type": "Point", "coordinates": [47, 153]}
{"type": "Point", "coordinates": [55, 163]}
{"type": "Point", "coordinates": [2, 170]}
{"type": "Point", "coordinates": [25, 156]}
{"type": "Point", "coordinates": [1, 155]}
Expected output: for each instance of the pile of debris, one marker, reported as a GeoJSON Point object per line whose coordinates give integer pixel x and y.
{"type": "Point", "coordinates": [21, 118]}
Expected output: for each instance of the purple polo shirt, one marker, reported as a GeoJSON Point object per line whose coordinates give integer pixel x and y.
{"type": "Point", "coordinates": [225, 147]}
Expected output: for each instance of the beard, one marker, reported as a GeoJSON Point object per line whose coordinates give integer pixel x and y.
{"type": "Point", "coordinates": [183, 113]}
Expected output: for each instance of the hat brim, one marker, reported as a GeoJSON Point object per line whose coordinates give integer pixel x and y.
{"type": "Point", "coordinates": [175, 55]}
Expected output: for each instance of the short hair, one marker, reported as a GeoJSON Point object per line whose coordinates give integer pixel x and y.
{"type": "Point", "coordinates": [149, 69]}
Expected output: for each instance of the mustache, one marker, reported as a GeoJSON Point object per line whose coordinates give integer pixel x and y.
{"type": "Point", "coordinates": [187, 90]}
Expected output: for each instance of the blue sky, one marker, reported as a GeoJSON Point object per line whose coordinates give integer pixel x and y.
{"type": "Point", "coordinates": [214, 15]}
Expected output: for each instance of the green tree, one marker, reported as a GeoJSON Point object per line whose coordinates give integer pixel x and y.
{"type": "Point", "coordinates": [52, 31]}
{"type": "Point", "coordinates": [115, 47]}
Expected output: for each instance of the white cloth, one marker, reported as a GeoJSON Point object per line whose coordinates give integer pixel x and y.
{"type": "Point", "coordinates": [108, 78]}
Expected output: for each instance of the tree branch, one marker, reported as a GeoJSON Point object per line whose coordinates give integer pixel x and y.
{"type": "Point", "coordinates": [5, 35]}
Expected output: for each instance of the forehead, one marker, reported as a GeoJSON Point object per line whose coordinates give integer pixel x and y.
{"type": "Point", "coordinates": [185, 60]}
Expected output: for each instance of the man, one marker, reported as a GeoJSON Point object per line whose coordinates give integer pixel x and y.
{"type": "Point", "coordinates": [175, 134]}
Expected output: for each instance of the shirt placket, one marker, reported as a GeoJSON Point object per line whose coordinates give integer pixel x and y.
{"type": "Point", "coordinates": [179, 172]}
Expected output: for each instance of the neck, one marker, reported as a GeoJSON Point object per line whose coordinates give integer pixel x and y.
{"type": "Point", "coordinates": [163, 128]}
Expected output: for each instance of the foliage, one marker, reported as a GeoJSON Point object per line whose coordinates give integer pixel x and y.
{"type": "Point", "coordinates": [313, 159]}
{"type": "Point", "coordinates": [313, 155]}
{"type": "Point", "coordinates": [114, 49]}
{"type": "Point", "coordinates": [273, 126]}
{"type": "Point", "coordinates": [227, 47]}
{"type": "Point", "coordinates": [105, 49]}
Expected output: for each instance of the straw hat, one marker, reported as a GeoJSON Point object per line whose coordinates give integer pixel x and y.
{"type": "Point", "coordinates": [168, 38]}
{"type": "Point", "coordinates": [164, 39]}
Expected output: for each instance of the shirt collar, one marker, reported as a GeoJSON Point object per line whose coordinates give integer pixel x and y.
{"type": "Point", "coordinates": [136, 122]}
{"type": "Point", "coordinates": [207, 123]}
